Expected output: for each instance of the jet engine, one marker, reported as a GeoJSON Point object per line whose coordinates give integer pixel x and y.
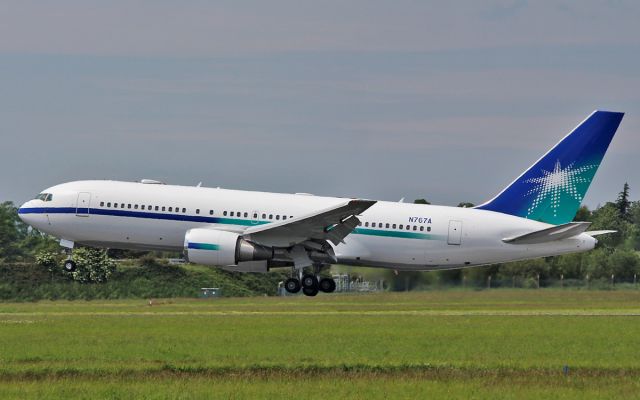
{"type": "Point", "coordinates": [222, 248]}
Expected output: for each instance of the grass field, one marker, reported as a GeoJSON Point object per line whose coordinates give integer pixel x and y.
{"type": "Point", "coordinates": [449, 344]}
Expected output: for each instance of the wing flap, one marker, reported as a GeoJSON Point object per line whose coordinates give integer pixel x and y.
{"type": "Point", "coordinates": [551, 234]}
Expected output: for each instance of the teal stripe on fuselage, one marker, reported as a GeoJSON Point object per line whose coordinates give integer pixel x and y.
{"type": "Point", "coordinates": [398, 234]}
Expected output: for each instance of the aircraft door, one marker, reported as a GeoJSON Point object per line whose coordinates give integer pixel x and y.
{"type": "Point", "coordinates": [83, 204]}
{"type": "Point", "coordinates": [455, 232]}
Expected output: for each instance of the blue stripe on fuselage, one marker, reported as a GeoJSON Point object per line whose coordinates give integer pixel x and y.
{"type": "Point", "coordinates": [141, 214]}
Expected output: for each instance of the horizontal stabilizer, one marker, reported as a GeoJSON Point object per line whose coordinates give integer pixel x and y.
{"type": "Point", "coordinates": [597, 233]}
{"type": "Point", "coordinates": [554, 233]}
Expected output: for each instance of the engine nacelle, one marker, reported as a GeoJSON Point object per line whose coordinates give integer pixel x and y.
{"type": "Point", "coordinates": [221, 248]}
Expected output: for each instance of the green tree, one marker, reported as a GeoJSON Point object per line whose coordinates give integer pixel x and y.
{"type": "Point", "coordinates": [465, 204]}
{"type": "Point", "coordinates": [18, 241]}
{"type": "Point", "coordinates": [421, 201]}
{"type": "Point", "coordinates": [12, 231]}
{"type": "Point", "coordinates": [622, 202]}
{"type": "Point", "coordinates": [570, 266]}
{"type": "Point", "coordinates": [92, 265]}
{"type": "Point", "coordinates": [623, 263]}
{"type": "Point", "coordinates": [526, 271]}
{"type": "Point", "coordinates": [608, 217]}
{"type": "Point", "coordinates": [634, 212]}
{"type": "Point", "coordinates": [583, 214]}
{"type": "Point", "coordinates": [596, 263]}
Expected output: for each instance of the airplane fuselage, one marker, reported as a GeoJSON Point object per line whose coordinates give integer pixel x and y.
{"type": "Point", "coordinates": [131, 215]}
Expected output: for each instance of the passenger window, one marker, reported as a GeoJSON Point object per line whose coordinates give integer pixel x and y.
{"type": "Point", "coordinates": [421, 228]}
{"type": "Point", "coordinates": [270, 216]}
{"type": "Point", "coordinates": [142, 207]}
{"type": "Point", "coordinates": [102, 204]}
{"type": "Point", "coordinates": [108, 204]}
{"type": "Point", "coordinates": [211, 212]}
{"type": "Point", "coordinates": [157, 208]}
{"type": "Point", "coordinates": [387, 225]}
{"type": "Point", "coordinates": [366, 224]}
{"type": "Point", "coordinates": [239, 214]}
{"type": "Point", "coordinates": [255, 216]}
{"type": "Point", "coordinates": [149, 208]}
{"type": "Point", "coordinates": [246, 215]}
{"type": "Point", "coordinates": [393, 226]}
{"type": "Point", "coordinates": [264, 216]}
{"type": "Point", "coordinates": [400, 226]}
{"type": "Point", "coordinates": [197, 211]}
{"type": "Point", "coordinates": [121, 205]}
{"type": "Point", "coordinates": [408, 227]}
{"type": "Point", "coordinates": [373, 224]}
{"type": "Point", "coordinates": [129, 206]}
{"type": "Point", "coordinates": [135, 206]}
{"type": "Point", "coordinates": [163, 208]}
{"type": "Point", "coordinates": [224, 213]}
{"type": "Point", "coordinates": [184, 210]}
{"type": "Point", "coordinates": [278, 217]}
{"type": "Point", "coordinates": [170, 209]}
{"type": "Point", "coordinates": [284, 217]}
{"type": "Point", "coordinates": [428, 229]}
{"type": "Point", "coordinates": [415, 227]}
{"type": "Point", "coordinates": [231, 213]}
{"type": "Point", "coordinates": [290, 216]}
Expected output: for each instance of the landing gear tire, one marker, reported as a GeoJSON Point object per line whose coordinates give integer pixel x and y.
{"type": "Point", "coordinates": [310, 281]}
{"type": "Point", "coordinates": [292, 285]}
{"type": "Point", "coordinates": [69, 266]}
{"type": "Point", "coordinates": [310, 291]}
{"type": "Point", "coordinates": [327, 285]}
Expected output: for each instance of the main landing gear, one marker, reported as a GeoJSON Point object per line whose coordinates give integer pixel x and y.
{"type": "Point", "coordinates": [310, 285]}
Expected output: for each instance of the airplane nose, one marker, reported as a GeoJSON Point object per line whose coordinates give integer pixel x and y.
{"type": "Point", "coordinates": [23, 213]}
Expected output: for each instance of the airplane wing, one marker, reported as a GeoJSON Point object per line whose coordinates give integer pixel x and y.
{"type": "Point", "coordinates": [598, 233]}
{"type": "Point", "coordinates": [332, 224]}
{"type": "Point", "coordinates": [551, 234]}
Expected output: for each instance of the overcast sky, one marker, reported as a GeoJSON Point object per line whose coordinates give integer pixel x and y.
{"type": "Point", "coordinates": [448, 101]}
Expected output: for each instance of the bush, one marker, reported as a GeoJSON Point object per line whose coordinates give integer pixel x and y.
{"type": "Point", "coordinates": [92, 265]}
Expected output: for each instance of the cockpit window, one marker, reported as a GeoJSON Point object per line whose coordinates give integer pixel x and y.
{"type": "Point", "coordinates": [44, 197]}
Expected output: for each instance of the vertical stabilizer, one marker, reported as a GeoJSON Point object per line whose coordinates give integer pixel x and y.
{"type": "Point", "coordinates": [552, 189]}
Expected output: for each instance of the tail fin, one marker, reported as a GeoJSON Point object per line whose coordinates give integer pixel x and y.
{"type": "Point", "coordinates": [552, 189]}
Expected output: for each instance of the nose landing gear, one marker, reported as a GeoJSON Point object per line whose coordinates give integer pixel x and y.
{"type": "Point", "coordinates": [69, 265]}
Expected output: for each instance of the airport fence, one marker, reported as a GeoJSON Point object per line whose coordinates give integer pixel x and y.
{"type": "Point", "coordinates": [530, 282]}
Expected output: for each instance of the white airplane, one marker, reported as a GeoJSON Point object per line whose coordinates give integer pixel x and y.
{"type": "Point", "coordinates": [254, 231]}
